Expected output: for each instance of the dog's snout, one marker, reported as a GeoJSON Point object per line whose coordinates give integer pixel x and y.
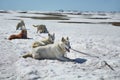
{"type": "Point", "coordinates": [52, 42]}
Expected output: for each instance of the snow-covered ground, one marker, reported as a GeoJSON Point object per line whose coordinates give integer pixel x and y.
{"type": "Point", "coordinates": [102, 40]}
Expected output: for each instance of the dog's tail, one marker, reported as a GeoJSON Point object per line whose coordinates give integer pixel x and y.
{"type": "Point", "coordinates": [27, 55]}
{"type": "Point", "coordinates": [34, 25]}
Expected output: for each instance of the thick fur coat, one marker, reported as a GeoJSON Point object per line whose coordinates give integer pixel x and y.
{"type": "Point", "coordinates": [53, 51]}
{"type": "Point", "coordinates": [20, 25]}
{"type": "Point", "coordinates": [21, 35]}
{"type": "Point", "coordinates": [49, 40]}
{"type": "Point", "coordinates": [41, 28]}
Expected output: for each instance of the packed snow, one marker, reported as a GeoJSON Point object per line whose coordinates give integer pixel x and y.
{"type": "Point", "coordinates": [93, 38]}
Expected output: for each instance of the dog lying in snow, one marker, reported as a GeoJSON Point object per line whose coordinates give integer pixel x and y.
{"type": "Point", "coordinates": [49, 40]}
{"type": "Point", "coordinates": [21, 35]}
{"type": "Point", "coordinates": [52, 51]}
{"type": "Point", "coordinates": [41, 28]}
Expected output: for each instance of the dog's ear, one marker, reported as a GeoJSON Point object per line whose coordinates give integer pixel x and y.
{"type": "Point", "coordinates": [48, 34]}
{"type": "Point", "coordinates": [62, 39]}
{"type": "Point", "coordinates": [53, 34]}
{"type": "Point", "coordinates": [67, 38]}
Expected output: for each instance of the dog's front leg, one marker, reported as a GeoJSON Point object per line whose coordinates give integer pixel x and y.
{"type": "Point", "coordinates": [37, 30]}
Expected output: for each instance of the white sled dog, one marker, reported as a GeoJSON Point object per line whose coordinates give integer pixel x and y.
{"type": "Point", "coordinates": [41, 28]}
{"type": "Point", "coordinates": [49, 40]}
{"type": "Point", "coordinates": [52, 51]}
{"type": "Point", "coordinates": [20, 25]}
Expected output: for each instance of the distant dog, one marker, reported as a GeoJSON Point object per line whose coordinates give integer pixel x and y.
{"type": "Point", "coordinates": [20, 25]}
{"type": "Point", "coordinates": [52, 51]}
{"type": "Point", "coordinates": [41, 28]}
{"type": "Point", "coordinates": [49, 40]}
{"type": "Point", "coordinates": [21, 35]}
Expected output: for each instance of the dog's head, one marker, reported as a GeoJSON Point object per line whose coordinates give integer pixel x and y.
{"type": "Point", "coordinates": [51, 37]}
{"type": "Point", "coordinates": [23, 33]}
{"type": "Point", "coordinates": [66, 44]}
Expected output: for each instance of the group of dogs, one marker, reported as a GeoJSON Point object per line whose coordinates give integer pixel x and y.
{"type": "Point", "coordinates": [23, 33]}
{"type": "Point", "coordinates": [45, 48]}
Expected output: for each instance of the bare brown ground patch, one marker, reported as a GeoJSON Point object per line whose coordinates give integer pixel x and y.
{"type": "Point", "coordinates": [46, 17]}
{"type": "Point", "coordinates": [115, 23]}
{"type": "Point", "coordinates": [13, 19]}
{"type": "Point", "coordinates": [98, 18]}
{"type": "Point", "coordinates": [23, 12]}
{"type": "Point", "coordinates": [51, 14]}
{"type": "Point", "coordinates": [112, 23]}
{"type": "Point", "coordinates": [55, 14]}
{"type": "Point", "coordinates": [76, 22]}
{"type": "Point", "coordinates": [4, 12]}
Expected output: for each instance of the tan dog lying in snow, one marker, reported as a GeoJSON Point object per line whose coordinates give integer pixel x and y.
{"type": "Point", "coordinates": [52, 51]}
{"type": "Point", "coordinates": [49, 40]}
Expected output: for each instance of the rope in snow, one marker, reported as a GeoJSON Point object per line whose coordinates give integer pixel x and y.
{"type": "Point", "coordinates": [105, 62]}
{"type": "Point", "coordinates": [84, 53]}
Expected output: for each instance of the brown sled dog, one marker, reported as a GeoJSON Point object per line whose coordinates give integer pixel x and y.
{"type": "Point", "coordinates": [21, 35]}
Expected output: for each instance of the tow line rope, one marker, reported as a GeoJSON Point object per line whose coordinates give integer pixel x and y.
{"type": "Point", "coordinates": [84, 53]}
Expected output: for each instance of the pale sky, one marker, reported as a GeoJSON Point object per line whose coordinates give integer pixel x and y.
{"type": "Point", "coordinates": [51, 5]}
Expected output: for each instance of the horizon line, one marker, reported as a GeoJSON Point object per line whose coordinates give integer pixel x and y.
{"type": "Point", "coordinates": [61, 10]}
